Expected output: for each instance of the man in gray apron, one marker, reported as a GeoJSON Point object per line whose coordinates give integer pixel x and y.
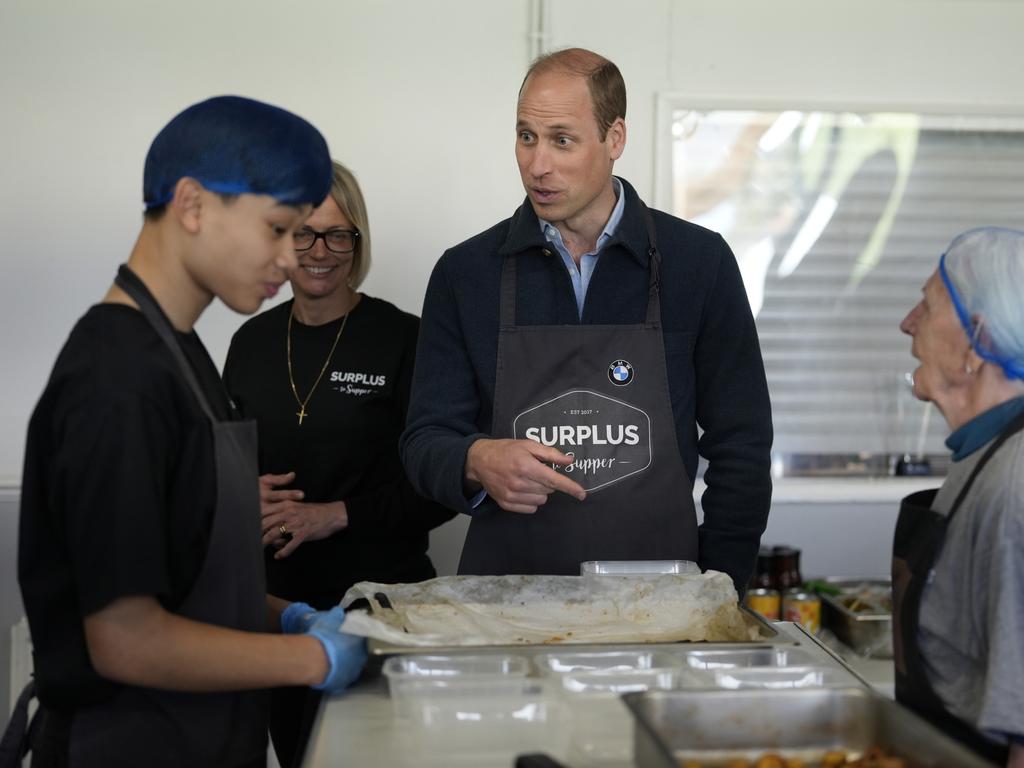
{"type": "Point", "coordinates": [139, 556]}
{"type": "Point", "coordinates": [568, 354]}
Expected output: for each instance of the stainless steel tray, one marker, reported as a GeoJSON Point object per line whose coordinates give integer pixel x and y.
{"type": "Point", "coordinates": [869, 634]}
{"type": "Point", "coordinates": [712, 727]}
{"type": "Point", "coordinates": [769, 636]}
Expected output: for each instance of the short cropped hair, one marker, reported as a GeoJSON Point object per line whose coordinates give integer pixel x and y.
{"type": "Point", "coordinates": [233, 145]}
{"type": "Point", "coordinates": [607, 88]}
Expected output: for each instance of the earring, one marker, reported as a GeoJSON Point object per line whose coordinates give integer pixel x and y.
{"type": "Point", "coordinates": [968, 369]}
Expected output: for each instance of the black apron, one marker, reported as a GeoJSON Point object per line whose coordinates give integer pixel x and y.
{"type": "Point", "coordinates": [917, 542]}
{"type": "Point", "coordinates": [598, 393]}
{"type": "Point", "coordinates": [142, 726]}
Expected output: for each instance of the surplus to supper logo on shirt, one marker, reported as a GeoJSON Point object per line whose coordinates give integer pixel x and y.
{"type": "Point", "coordinates": [358, 384]}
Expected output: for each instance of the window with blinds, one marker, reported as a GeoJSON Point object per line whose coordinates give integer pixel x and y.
{"type": "Point", "coordinates": [837, 219]}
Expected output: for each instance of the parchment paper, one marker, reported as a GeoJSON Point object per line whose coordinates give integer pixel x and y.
{"type": "Point", "coordinates": [508, 610]}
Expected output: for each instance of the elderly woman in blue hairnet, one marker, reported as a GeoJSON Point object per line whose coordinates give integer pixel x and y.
{"type": "Point", "coordinates": [958, 570]}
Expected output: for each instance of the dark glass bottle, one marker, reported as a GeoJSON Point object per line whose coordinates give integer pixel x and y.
{"type": "Point", "coordinates": [764, 572]}
{"type": "Point", "coordinates": [786, 568]}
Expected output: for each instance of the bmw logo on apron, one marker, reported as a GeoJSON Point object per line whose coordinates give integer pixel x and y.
{"type": "Point", "coordinates": [620, 373]}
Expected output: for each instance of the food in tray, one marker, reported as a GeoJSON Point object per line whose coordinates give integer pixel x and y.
{"type": "Point", "coordinates": [876, 757]}
{"type": "Point", "coordinates": [511, 610]}
{"type": "Point", "coordinates": [867, 603]}
{"type": "Point", "coordinates": [860, 616]}
{"type": "Point", "coordinates": [868, 597]}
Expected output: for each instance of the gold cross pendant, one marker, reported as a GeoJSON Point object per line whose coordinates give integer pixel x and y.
{"type": "Point", "coordinates": [301, 414]}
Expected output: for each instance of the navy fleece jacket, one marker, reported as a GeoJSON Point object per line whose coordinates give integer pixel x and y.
{"type": "Point", "coordinates": [716, 375]}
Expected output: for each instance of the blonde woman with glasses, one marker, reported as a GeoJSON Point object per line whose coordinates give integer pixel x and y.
{"type": "Point", "coordinates": [327, 378]}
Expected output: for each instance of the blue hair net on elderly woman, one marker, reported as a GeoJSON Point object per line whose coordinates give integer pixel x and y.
{"type": "Point", "coordinates": [983, 270]}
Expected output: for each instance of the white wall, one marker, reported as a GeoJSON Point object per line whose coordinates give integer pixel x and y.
{"type": "Point", "coordinates": [418, 98]}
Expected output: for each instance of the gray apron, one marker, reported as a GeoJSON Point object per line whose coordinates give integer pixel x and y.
{"type": "Point", "coordinates": [598, 393]}
{"type": "Point", "coordinates": [917, 543]}
{"type": "Point", "coordinates": [142, 726]}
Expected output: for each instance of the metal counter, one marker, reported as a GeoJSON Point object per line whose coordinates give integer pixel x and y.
{"type": "Point", "coordinates": [357, 728]}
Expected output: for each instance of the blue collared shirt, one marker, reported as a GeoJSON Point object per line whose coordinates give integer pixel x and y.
{"type": "Point", "coordinates": [580, 276]}
{"type": "Point", "coordinates": [983, 428]}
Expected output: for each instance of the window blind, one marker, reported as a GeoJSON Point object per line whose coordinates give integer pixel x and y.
{"type": "Point", "coordinates": [837, 220]}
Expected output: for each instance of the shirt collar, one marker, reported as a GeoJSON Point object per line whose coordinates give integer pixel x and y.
{"type": "Point", "coordinates": [525, 231]}
{"type": "Point", "coordinates": [553, 235]}
{"type": "Point", "coordinates": [983, 428]}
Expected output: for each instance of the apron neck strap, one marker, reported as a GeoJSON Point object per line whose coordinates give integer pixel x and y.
{"type": "Point", "coordinates": [654, 284]}
{"type": "Point", "coordinates": [1013, 428]}
{"type": "Point", "coordinates": [130, 283]}
{"type": "Point", "coordinates": [507, 317]}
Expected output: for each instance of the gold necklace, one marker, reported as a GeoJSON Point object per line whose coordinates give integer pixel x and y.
{"type": "Point", "coordinates": [301, 413]}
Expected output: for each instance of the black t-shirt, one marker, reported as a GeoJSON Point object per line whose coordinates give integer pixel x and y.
{"type": "Point", "coordinates": [118, 490]}
{"type": "Point", "coordinates": [346, 448]}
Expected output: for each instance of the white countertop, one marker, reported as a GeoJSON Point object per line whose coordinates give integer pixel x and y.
{"type": "Point", "coordinates": [358, 728]}
{"type": "Point", "coordinates": [840, 490]}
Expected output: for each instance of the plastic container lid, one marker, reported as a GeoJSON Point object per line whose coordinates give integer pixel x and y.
{"type": "Point", "coordinates": [637, 567]}
{"type": "Point", "coordinates": [616, 682]}
{"type": "Point", "coordinates": [400, 668]}
{"type": "Point", "coordinates": [747, 657]}
{"type": "Point", "coordinates": [780, 678]}
{"type": "Point", "coordinates": [566, 662]}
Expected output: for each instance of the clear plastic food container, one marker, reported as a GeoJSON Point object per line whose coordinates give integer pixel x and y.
{"type": "Point", "coordinates": [780, 678]}
{"type": "Point", "coordinates": [747, 657]}
{"type": "Point", "coordinates": [601, 729]}
{"type": "Point", "coordinates": [481, 721]}
{"type": "Point", "coordinates": [637, 567]}
{"type": "Point", "coordinates": [412, 677]}
{"type": "Point", "coordinates": [563, 662]}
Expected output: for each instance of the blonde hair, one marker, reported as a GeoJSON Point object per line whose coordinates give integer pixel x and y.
{"type": "Point", "coordinates": [346, 193]}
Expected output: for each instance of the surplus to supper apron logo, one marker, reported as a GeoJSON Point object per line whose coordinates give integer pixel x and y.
{"type": "Point", "coordinates": [358, 384]}
{"type": "Point", "coordinates": [607, 439]}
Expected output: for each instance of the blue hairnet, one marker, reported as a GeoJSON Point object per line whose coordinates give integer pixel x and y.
{"type": "Point", "coordinates": [234, 145]}
{"type": "Point", "coordinates": [983, 270]}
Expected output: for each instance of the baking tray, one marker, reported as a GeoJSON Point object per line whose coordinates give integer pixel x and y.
{"type": "Point", "coordinates": [869, 634]}
{"type": "Point", "coordinates": [713, 727]}
{"type": "Point", "coordinates": [769, 636]}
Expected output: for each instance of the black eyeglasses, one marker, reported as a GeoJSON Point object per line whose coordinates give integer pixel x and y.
{"type": "Point", "coordinates": [337, 240]}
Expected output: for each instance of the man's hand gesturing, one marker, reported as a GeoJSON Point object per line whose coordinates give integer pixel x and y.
{"type": "Point", "coordinates": [517, 473]}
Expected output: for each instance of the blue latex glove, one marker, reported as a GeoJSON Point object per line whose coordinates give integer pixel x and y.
{"type": "Point", "coordinates": [346, 654]}
{"type": "Point", "coordinates": [297, 618]}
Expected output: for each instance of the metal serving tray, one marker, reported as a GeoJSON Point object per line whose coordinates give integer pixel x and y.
{"type": "Point", "coordinates": [769, 636]}
{"type": "Point", "coordinates": [713, 727]}
{"type": "Point", "coordinates": [867, 633]}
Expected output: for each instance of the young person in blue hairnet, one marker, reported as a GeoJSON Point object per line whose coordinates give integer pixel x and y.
{"type": "Point", "coordinates": [140, 561]}
{"type": "Point", "coordinates": [958, 574]}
